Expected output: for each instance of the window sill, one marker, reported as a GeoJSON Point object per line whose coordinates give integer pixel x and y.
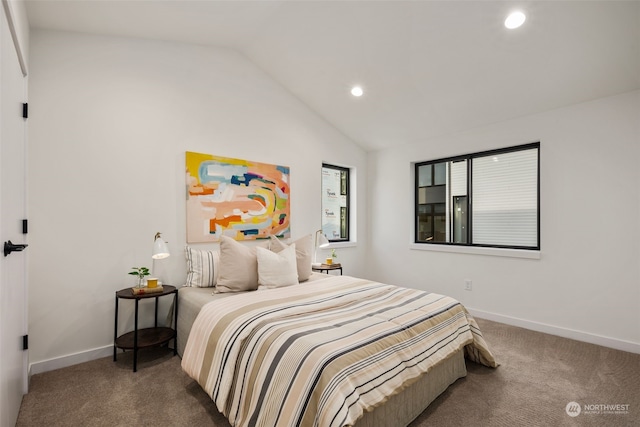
{"type": "Point", "coordinates": [336, 245]}
{"type": "Point", "coordinates": [474, 250]}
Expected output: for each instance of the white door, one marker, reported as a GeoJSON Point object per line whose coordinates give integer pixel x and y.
{"type": "Point", "coordinates": [13, 285]}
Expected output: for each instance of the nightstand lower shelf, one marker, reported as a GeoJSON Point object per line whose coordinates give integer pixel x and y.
{"type": "Point", "coordinates": [148, 337]}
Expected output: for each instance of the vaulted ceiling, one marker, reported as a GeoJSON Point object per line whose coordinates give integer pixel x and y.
{"type": "Point", "coordinates": [428, 68]}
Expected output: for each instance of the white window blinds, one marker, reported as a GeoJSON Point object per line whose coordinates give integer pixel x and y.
{"type": "Point", "coordinates": [505, 199]}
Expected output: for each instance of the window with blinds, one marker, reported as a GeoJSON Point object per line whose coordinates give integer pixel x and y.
{"type": "Point", "coordinates": [335, 202]}
{"type": "Point", "coordinates": [482, 199]}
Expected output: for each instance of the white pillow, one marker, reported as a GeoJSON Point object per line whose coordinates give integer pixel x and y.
{"type": "Point", "coordinates": [304, 254]}
{"type": "Point", "coordinates": [276, 270]}
{"type": "Point", "coordinates": [202, 267]}
{"type": "Point", "coordinates": [238, 267]}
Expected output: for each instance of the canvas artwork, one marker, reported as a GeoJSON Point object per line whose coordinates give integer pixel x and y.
{"type": "Point", "coordinates": [241, 199]}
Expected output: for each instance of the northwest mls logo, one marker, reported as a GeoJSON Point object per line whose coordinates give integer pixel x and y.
{"type": "Point", "coordinates": [573, 409]}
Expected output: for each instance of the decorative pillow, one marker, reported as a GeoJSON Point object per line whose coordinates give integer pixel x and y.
{"type": "Point", "coordinates": [238, 267]}
{"type": "Point", "coordinates": [304, 254]}
{"type": "Point", "coordinates": [202, 267]}
{"type": "Point", "coordinates": [276, 270]}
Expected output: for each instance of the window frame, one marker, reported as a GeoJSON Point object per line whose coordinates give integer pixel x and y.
{"type": "Point", "coordinates": [347, 185]}
{"type": "Point", "coordinates": [469, 158]}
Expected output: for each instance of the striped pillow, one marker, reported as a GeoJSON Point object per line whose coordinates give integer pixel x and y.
{"type": "Point", "coordinates": [202, 267]}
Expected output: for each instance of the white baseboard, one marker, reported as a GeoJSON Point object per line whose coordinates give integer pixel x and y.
{"type": "Point", "coordinates": [70, 360]}
{"type": "Point", "coordinates": [617, 344]}
{"type": "Point", "coordinates": [97, 353]}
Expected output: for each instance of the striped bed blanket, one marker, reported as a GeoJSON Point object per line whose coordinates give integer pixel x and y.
{"type": "Point", "coordinates": [320, 354]}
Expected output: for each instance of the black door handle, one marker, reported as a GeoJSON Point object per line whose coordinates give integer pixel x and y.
{"type": "Point", "coordinates": [10, 247]}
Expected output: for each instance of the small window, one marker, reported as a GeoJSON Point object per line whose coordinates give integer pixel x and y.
{"type": "Point", "coordinates": [489, 199]}
{"type": "Point", "coordinates": [335, 203]}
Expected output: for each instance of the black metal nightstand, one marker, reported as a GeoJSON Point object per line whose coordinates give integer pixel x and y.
{"type": "Point", "coordinates": [147, 337]}
{"type": "Point", "coordinates": [327, 268]}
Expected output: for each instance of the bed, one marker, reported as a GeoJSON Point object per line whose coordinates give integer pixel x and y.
{"type": "Point", "coordinates": [385, 352]}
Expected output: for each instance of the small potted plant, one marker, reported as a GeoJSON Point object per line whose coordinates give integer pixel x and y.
{"type": "Point", "coordinates": [331, 258]}
{"type": "Point", "coordinates": [140, 272]}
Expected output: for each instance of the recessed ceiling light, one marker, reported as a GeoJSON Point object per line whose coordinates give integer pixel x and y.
{"type": "Point", "coordinates": [357, 91]}
{"type": "Point", "coordinates": [514, 20]}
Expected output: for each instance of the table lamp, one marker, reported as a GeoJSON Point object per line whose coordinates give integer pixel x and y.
{"type": "Point", "coordinates": [160, 248]}
{"type": "Point", "coordinates": [321, 241]}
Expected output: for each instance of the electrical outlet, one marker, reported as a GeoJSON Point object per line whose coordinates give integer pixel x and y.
{"type": "Point", "coordinates": [467, 285]}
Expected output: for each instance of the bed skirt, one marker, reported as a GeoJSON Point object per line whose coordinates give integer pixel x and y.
{"type": "Point", "coordinates": [404, 407]}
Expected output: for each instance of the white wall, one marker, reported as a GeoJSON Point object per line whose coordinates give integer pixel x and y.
{"type": "Point", "coordinates": [586, 284]}
{"type": "Point", "coordinates": [110, 120]}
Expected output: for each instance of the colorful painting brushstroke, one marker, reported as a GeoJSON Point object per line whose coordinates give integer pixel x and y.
{"type": "Point", "coordinates": [241, 199]}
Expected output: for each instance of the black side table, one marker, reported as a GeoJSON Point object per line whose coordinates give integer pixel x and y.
{"type": "Point", "coordinates": [327, 268]}
{"type": "Point", "coordinates": [147, 337]}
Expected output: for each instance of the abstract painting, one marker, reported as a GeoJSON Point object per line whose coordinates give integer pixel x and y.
{"type": "Point", "coordinates": [241, 199]}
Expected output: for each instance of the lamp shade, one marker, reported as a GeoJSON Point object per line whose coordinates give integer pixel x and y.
{"type": "Point", "coordinates": [160, 248]}
{"type": "Point", "coordinates": [322, 241]}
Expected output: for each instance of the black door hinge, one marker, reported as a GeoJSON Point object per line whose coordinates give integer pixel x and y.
{"type": "Point", "coordinates": [25, 110]}
{"type": "Point", "coordinates": [25, 342]}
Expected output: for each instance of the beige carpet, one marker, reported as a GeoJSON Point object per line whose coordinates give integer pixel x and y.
{"type": "Point", "coordinates": [539, 375]}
